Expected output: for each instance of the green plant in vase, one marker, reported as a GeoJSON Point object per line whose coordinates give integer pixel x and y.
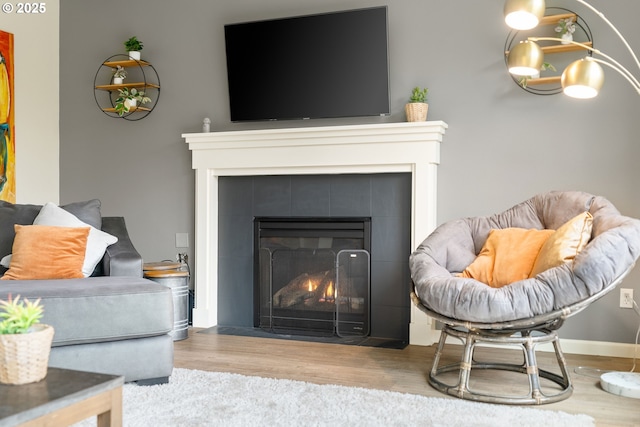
{"type": "Point", "coordinates": [128, 98]}
{"type": "Point", "coordinates": [25, 343]}
{"type": "Point", "coordinates": [133, 46]}
{"type": "Point", "coordinates": [523, 81]}
{"type": "Point", "coordinates": [18, 316]}
{"type": "Point", "coordinates": [566, 28]}
{"type": "Point", "coordinates": [119, 74]}
{"type": "Point", "coordinates": [419, 95]}
{"type": "Point", "coordinates": [417, 107]}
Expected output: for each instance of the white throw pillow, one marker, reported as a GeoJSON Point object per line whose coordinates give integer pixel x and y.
{"type": "Point", "coordinates": [97, 242]}
{"type": "Point", "coordinates": [5, 261]}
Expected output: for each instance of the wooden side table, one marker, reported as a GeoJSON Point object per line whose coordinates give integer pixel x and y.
{"type": "Point", "coordinates": [62, 398]}
{"type": "Point", "coordinates": [170, 274]}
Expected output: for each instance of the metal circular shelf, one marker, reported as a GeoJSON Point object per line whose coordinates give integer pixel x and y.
{"type": "Point", "coordinates": [145, 77]}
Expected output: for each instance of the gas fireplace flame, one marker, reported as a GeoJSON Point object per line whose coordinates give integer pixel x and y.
{"type": "Point", "coordinates": [329, 293]}
{"type": "Point", "coordinates": [314, 290]}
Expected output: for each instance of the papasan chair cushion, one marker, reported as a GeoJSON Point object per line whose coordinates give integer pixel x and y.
{"type": "Point", "coordinates": [435, 265]}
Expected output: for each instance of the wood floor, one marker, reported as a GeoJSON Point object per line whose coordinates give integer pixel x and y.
{"type": "Point", "coordinates": [397, 370]}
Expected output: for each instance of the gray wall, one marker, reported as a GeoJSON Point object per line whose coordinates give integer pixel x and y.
{"type": "Point", "coordinates": [503, 144]}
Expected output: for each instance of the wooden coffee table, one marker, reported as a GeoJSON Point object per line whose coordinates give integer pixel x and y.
{"type": "Point", "coordinates": [64, 397]}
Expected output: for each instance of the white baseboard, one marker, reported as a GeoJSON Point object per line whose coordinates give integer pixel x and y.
{"type": "Point", "coordinates": [595, 348]}
{"type": "Point", "coordinates": [425, 333]}
{"type": "Point", "coordinates": [583, 347]}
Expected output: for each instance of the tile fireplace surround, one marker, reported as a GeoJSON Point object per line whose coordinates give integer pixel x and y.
{"type": "Point", "coordinates": [351, 149]}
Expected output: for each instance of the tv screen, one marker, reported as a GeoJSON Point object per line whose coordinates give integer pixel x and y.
{"type": "Point", "coordinates": [316, 66]}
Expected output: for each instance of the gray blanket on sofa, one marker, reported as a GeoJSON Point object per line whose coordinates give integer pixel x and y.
{"type": "Point", "coordinates": [612, 251]}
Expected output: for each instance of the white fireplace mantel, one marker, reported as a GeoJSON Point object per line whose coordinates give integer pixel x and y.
{"type": "Point", "coordinates": [372, 148]}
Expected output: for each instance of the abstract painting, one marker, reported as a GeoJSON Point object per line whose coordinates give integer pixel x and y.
{"type": "Point", "coordinates": [7, 125]}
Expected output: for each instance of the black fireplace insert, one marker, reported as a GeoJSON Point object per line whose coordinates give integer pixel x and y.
{"type": "Point", "coordinates": [312, 275]}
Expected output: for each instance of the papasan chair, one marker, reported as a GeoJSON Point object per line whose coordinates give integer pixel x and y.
{"type": "Point", "coordinates": [511, 279]}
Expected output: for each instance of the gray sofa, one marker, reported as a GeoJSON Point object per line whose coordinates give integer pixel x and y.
{"type": "Point", "coordinates": [113, 322]}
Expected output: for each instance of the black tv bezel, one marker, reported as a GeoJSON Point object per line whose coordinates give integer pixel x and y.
{"type": "Point", "coordinates": [386, 91]}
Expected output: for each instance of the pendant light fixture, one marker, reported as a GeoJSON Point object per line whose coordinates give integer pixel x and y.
{"type": "Point", "coordinates": [525, 59]}
{"type": "Point", "coordinates": [581, 79]}
{"type": "Point", "coordinates": [523, 14]}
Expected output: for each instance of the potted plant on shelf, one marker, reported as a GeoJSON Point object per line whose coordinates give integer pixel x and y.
{"type": "Point", "coordinates": [119, 74]}
{"type": "Point", "coordinates": [524, 80]}
{"type": "Point", "coordinates": [25, 343]}
{"type": "Point", "coordinates": [128, 99]}
{"type": "Point", "coordinates": [417, 107]}
{"type": "Point", "coordinates": [566, 28]}
{"type": "Point", "coordinates": [133, 46]}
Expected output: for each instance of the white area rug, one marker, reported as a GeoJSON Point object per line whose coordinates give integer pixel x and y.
{"type": "Point", "coordinates": [198, 398]}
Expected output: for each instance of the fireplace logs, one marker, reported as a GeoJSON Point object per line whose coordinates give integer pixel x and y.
{"type": "Point", "coordinates": [317, 291]}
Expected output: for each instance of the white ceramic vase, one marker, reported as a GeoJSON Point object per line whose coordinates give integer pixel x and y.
{"type": "Point", "coordinates": [134, 54]}
{"type": "Point", "coordinates": [131, 103]}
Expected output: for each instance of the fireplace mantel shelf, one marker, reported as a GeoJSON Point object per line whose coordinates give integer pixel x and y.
{"type": "Point", "coordinates": [372, 148]}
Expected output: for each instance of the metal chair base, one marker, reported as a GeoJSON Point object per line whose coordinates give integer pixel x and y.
{"type": "Point", "coordinates": [526, 341]}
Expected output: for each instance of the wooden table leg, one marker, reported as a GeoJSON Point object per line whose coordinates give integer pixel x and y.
{"type": "Point", "coordinates": [112, 417]}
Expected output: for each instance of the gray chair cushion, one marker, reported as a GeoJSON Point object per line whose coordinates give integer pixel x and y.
{"type": "Point", "coordinates": [613, 249]}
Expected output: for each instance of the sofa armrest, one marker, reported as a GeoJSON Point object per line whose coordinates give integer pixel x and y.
{"type": "Point", "coordinates": [121, 258]}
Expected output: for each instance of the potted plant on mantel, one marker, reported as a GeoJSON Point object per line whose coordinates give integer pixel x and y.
{"type": "Point", "coordinates": [417, 107]}
{"type": "Point", "coordinates": [25, 343]}
{"type": "Point", "coordinates": [128, 99]}
{"type": "Point", "coordinates": [133, 46]}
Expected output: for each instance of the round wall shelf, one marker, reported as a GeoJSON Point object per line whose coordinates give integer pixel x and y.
{"type": "Point", "coordinates": [141, 75]}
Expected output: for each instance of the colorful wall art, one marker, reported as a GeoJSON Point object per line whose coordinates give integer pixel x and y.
{"type": "Point", "coordinates": [7, 123]}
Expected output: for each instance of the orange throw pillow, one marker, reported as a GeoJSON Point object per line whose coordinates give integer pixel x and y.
{"type": "Point", "coordinates": [565, 243]}
{"type": "Point", "coordinates": [507, 256]}
{"type": "Point", "coordinates": [47, 252]}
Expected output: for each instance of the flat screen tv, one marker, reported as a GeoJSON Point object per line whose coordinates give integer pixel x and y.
{"type": "Point", "coordinates": [316, 66]}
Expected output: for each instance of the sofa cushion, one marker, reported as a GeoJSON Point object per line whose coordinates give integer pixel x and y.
{"type": "Point", "coordinates": [97, 309]}
{"type": "Point", "coordinates": [44, 252]}
{"type": "Point", "coordinates": [24, 214]}
{"type": "Point", "coordinates": [98, 240]}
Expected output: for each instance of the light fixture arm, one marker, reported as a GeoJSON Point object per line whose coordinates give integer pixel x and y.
{"type": "Point", "coordinates": [629, 78]}
{"type": "Point", "coordinates": [613, 64]}
{"type": "Point", "coordinates": [615, 30]}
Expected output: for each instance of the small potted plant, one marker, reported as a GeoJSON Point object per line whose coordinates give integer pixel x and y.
{"type": "Point", "coordinates": [133, 46]}
{"type": "Point", "coordinates": [566, 28]}
{"type": "Point", "coordinates": [417, 107]}
{"type": "Point", "coordinates": [119, 74]}
{"type": "Point", "coordinates": [524, 80]}
{"type": "Point", "coordinates": [128, 99]}
{"type": "Point", "coordinates": [25, 343]}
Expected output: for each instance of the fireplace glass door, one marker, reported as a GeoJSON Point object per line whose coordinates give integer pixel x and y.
{"type": "Point", "coordinates": [313, 275]}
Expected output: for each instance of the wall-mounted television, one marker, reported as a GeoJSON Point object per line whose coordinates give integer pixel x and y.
{"type": "Point", "coordinates": [315, 66]}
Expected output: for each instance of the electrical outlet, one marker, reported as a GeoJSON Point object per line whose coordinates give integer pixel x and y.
{"type": "Point", "coordinates": [626, 298]}
{"type": "Point", "coordinates": [182, 240]}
